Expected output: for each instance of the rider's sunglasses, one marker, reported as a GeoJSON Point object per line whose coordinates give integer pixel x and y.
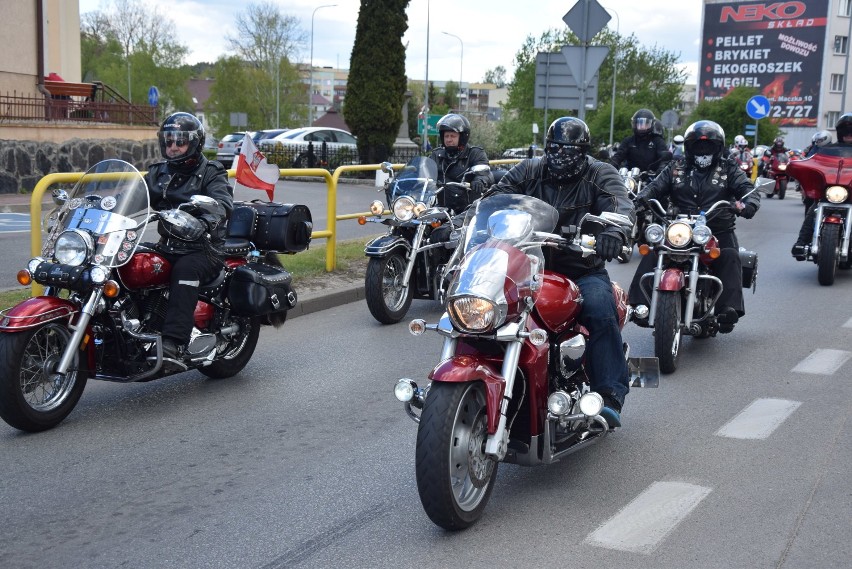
{"type": "Point", "coordinates": [179, 143]}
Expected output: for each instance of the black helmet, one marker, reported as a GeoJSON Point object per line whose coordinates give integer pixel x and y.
{"type": "Point", "coordinates": [778, 142]}
{"type": "Point", "coordinates": [566, 144]}
{"type": "Point", "coordinates": [454, 123]}
{"type": "Point", "coordinates": [843, 126]}
{"type": "Point", "coordinates": [821, 138]}
{"type": "Point", "coordinates": [703, 144]}
{"type": "Point", "coordinates": [643, 122]}
{"type": "Point", "coordinates": [182, 129]}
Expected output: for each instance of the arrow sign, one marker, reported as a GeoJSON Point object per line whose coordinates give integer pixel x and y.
{"type": "Point", "coordinates": [153, 96]}
{"type": "Point", "coordinates": [758, 107]}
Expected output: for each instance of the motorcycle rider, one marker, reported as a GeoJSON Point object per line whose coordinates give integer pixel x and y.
{"type": "Point", "coordinates": [776, 148]}
{"type": "Point", "coordinates": [691, 185]}
{"type": "Point", "coordinates": [183, 173]}
{"type": "Point", "coordinates": [645, 149]}
{"type": "Point", "coordinates": [740, 152]}
{"type": "Point", "coordinates": [818, 140]}
{"type": "Point", "coordinates": [843, 127]}
{"type": "Point", "coordinates": [454, 157]}
{"type": "Point", "coordinates": [575, 183]}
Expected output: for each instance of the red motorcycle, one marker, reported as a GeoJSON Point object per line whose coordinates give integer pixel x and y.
{"type": "Point", "coordinates": [511, 385]}
{"type": "Point", "coordinates": [745, 161]}
{"type": "Point", "coordinates": [105, 296]}
{"type": "Point", "coordinates": [777, 170]}
{"type": "Point", "coordinates": [826, 179]}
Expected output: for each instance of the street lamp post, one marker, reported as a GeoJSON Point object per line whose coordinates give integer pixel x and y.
{"type": "Point", "coordinates": [461, 62]}
{"type": "Point", "coordinates": [311, 80]}
{"type": "Point", "coordinates": [426, 90]}
{"type": "Point", "coordinates": [614, 71]}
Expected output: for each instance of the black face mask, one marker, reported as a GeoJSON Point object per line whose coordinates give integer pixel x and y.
{"type": "Point", "coordinates": [564, 161]}
{"type": "Point", "coordinates": [703, 154]}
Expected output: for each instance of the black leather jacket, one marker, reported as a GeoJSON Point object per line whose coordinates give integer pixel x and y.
{"type": "Point", "coordinates": [167, 189]}
{"type": "Point", "coordinates": [692, 191]}
{"type": "Point", "coordinates": [598, 189]}
{"type": "Point", "coordinates": [648, 153]}
{"type": "Point", "coordinates": [451, 169]}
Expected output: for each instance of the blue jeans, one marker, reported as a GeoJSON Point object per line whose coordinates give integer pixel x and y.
{"type": "Point", "coordinates": [605, 363]}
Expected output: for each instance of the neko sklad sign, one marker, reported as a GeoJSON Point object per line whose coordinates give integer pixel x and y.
{"type": "Point", "coordinates": [776, 47]}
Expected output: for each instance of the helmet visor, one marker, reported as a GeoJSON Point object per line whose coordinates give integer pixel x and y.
{"type": "Point", "coordinates": [179, 138]}
{"type": "Point", "coordinates": [642, 124]}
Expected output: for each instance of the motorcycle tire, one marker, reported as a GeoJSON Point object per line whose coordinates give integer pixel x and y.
{"type": "Point", "coordinates": [782, 189]}
{"type": "Point", "coordinates": [454, 476]}
{"type": "Point", "coordinates": [387, 298]}
{"type": "Point", "coordinates": [829, 242]}
{"type": "Point", "coordinates": [30, 400]}
{"type": "Point", "coordinates": [667, 330]}
{"type": "Point", "coordinates": [238, 356]}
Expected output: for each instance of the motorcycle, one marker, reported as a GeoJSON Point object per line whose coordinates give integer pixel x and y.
{"type": "Point", "coordinates": [106, 293]}
{"type": "Point", "coordinates": [777, 170]}
{"type": "Point", "coordinates": [410, 260]}
{"type": "Point", "coordinates": [634, 179]}
{"type": "Point", "coordinates": [826, 180]}
{"type": "Point", "coordinates": [681, 292]}
{"type": "Point", "coordinates": [511, 385]}
{"type": "Point", "coordinates": [745, 161]}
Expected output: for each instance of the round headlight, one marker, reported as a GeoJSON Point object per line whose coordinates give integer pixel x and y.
{"type": "Point", "coordinates": [472, 314]}
{"type": "Point", "coordinates": [404, 390]}
{"type": "Point", "coordinates": [419, 208]}
{"type": "Point", "coordinates": [631, 184]}
{"type": "Point", "coordinates": [836, 194]}
{"type": "Point", "coordinates": [33, 264]}
{"type": "Point", "coordinates": [679, 234]}
{"type": "Point", "coordinates": [99, 274]}
{"type": "Point", "coordinates": [73, 247]}
{"type": "Point", "coordinates": [559, 403]}
{"type": "Point", "coordinates": [590, 404]}
{"type": "Point", "coordinates": [654, 233]}
{"type": "Point", "coordinates": [377, 207]}
{"type": "Point", "coordinates": [403, 208]}
{"type": "Point", "coordinates": [701, 234]}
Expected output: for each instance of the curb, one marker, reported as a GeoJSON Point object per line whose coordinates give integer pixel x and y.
{"type": "Point", "coordinates": [317, 301]}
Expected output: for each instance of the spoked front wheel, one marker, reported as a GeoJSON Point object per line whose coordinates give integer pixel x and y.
{"type": "Point", "coordinates": [388, 296]}
{"type": "Point", "coordinates": [454, 476]}
{"type": "Point", "coordinates": [667, 331]}
{"type": "Point", "coordinates": [32, 396]}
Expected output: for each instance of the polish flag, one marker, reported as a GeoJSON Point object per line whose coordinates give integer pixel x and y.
{"type": "Point", "coordinates": [253, 171]}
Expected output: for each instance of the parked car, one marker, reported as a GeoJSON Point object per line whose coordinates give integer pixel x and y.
{"type": "Point", "coordinates": [261, 135]}
{"type": "Point", "coordinates": [227, 148]}
{"type": "Point", "coordinates": [292, 148]}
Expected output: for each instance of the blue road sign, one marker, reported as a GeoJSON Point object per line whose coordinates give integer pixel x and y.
{"type": "Point", "coordinates": [153, 96]}
{"type": "Point", "coordinates": [758, 107]}
{"type": "Point", "coordinates": [750, 129]}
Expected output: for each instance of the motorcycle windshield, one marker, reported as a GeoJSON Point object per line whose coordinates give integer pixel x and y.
{"type": "Point", "coordinates": [108, 208]}
{"type": "Point", "coordinates": [417, 180]}
{"type": "Point", "coordinates": [499, 224]}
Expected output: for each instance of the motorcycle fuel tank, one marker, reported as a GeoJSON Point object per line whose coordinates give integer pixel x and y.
{"type": "Point", "coordinates": [559, 301]}
{"type": "Point", "coordinates": [145, 269]}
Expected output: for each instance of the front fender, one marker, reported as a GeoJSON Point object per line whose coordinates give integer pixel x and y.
{"type": "Point", "coordinates": [464, 369]}
{"type": "Point", "coordinates": [34, 312]}
{"type": "Point", "coordinates": [672, 280]}
{"type": "Point", "coordinates": [383, 245]}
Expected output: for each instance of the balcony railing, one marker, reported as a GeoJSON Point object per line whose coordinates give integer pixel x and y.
{"type": "Point", "coordinates": [15, 107]}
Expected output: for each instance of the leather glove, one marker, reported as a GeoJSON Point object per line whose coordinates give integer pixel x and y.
{"type": "Point", "coordinates": [608, 246]}
{"type": "Point", "coordinates": [478, 186]}
{"type": "Point", "coordinates": [748, 211]}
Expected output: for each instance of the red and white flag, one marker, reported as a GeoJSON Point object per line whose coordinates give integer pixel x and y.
{"type": "Point", "coordinates": [253, 171]}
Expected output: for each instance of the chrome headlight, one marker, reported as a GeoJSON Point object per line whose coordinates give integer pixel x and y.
{"type": "Point", "coordinates": [377, 207]}
{"type": "Point", "coordinates": [654, 233]}
{"type": "Point", "coordinates": [631, 184]}
{"type": "Point", "coordinates": [472, 314]}
{"type": "Point", "coordinates": [33, 264]}
{"type": "Point", "coordinates": [782, 167]}
{"type": "Point", "coordinates": [701, 234]}
{"type": "Point", "coordinates": [403, 208]}
{"type": "Point", "coordinates": [419, 208]}
{"type": "Point", "coordinates": [73, 247]}
{"type": "Point", "coordinates": [679, 234]}
{"type": "Point", "coordinates": [590, 404]}
{"type": "Point", "coordinates": [836, 194]}
{"type": "Point", "coordinates": [99, 274]}
{"type": "Point", "coordinates": [559, 403]}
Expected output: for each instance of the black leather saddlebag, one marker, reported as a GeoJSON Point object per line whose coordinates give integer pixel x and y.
{"type": "Point", "coordinates": [749, 262]}
{"type": "Point", "coordinates": [258, 289]}
{"type": "Point", "coordinates": [285, 228]}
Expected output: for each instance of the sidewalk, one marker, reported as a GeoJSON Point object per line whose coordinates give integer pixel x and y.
{"type": "Point", "coordinates": [20, 203]}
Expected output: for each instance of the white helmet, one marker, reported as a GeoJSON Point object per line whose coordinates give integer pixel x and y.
{"type": "Point", "coordinates": [821, 138]}
{"type": "Point", "coordinates": [740, 141]}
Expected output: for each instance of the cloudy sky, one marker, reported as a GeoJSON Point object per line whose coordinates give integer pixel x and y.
{"type": "Point", "coordinates": [491, 31]}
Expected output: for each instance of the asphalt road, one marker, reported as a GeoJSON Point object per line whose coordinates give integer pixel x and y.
{"type": "Point", "coordinates": [740, 459]}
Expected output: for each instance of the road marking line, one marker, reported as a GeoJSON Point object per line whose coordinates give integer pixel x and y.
{"type": "Point", "coordinates": [645, 521]}
{"type": "Point", "coordinates": [848, 323]}
{"type": "Point", "coordinates": [823, 362]}
{"type": "Point", "coordinates": [759, 420]}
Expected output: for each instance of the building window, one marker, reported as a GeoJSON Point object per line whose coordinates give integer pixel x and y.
{"type": "Point", "coordinates": [844, 7]}
{"type": "Point", "coordinates": [831, 118]}
{"type": "Point", "coordinates": [841, 45]}
{"type": "Point", "coordinates": [836, 82]}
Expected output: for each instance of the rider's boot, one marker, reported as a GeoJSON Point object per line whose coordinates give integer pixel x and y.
{"type": "Point", "coordinates": [726, 318]}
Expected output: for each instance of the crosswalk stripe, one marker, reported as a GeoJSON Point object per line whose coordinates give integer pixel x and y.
{"type": "Point", "coordinates": [645, 521]}
{"type": "Point", "coordinates": [823, 362]}
{"type": "Point", "coordinates": [758, 420]}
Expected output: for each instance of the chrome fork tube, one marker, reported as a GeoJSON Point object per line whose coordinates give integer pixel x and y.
{"type": "Point", "coordinates": [415, 247]}
{"type": "Point", "coordinates": [79, 328]}
{"type": "Point", "coordinates": [497, 444]}
{"type": "Point", "coordinates": [692, 291]}
{"type": "Point", "coordinates": [658, 275]}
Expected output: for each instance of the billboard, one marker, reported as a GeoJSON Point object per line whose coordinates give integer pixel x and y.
{"type": "Point", "coordinates": [775, 47]}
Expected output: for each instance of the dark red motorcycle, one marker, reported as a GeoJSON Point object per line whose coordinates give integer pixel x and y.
{"type": "Point", "coordinates": [105, 296]}
{"type": "Point", "coordinates": [777, 170]}
{"type": "Point", "coordinates": [511, 385]}
{"type": "Point", "coordinates": [826, 179]}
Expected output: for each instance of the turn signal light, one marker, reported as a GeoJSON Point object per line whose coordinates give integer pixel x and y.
{"type": "Point", "coordinates": [435, 224]}
{"type": "Point", "coordinates": [24, 277]}
{"type": "Point", "coordinates": [644, 249]}
{"type": "Point", "coordinates": [111, 289]}
{"type": "Point", "coordinates": [714, 253]}
{"type": "Point", "coordinates": [362, 220]}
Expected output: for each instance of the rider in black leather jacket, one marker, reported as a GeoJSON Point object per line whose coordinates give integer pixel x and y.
{"type": "Point", "coordinates": [183, 173]}
{"type": "Point", "coordinates": [454, 157]}
{"type": "Point", "coordinates": [694, 184]}
{"type": "Point", "coordinates": [645, 149]}
{"type": "Point", "coordinates": [575, 184]}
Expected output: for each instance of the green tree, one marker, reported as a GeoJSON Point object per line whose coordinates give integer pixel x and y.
{"type": "Point", "coordinates": [497, 76]}
{"type": "Point", "coordinates": [730, 113]}
{"type": "Point", "coordinates": [377, 83]}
